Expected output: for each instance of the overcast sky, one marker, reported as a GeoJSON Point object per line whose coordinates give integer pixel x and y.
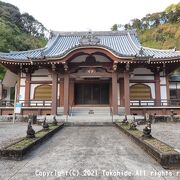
{"type": "Point", "coordinates": [79, 15]}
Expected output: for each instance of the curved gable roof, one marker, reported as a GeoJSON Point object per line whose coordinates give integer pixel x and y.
{"type": "Point", "coordinates": [122, 43]}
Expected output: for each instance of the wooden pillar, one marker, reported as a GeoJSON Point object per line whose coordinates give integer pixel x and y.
{"type": "Point", "coordinates": [66, 94]}
{"type": "Point", "coordinates": [167, 88]}
{"type": "Point", "coordinates": [157, 88]}
{"type": "Point", "coordinates": [114, 93]}
{"type": "Point", "coordinates": [54, 93]}
{"type": "Point", "coordinates": [121, 88]}
{"type": "Point", "coordinates": [126, 93]}
{"type": "Point", "coordinates": [110, 93]}
{"type": "Point", "coordinates": [18, 86]}
{"type": "Point", "coordinates": [71, 92]}
{"type": "Point", "coordinates": [61, 92]}
{"type": "Point", "coordinates": [27, 89]}
{"type": "Point", "coordinates": [1, 91]}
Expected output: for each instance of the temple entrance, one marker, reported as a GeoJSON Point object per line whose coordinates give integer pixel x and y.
{"type": "Point", "coordinates": [91, 93]}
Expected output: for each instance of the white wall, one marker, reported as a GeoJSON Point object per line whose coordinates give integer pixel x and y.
{"type": "Point", "coordinates": [142, 71]}
{"type": "Point", "coordinates": [41, 72]}
{"type": "Point", "coordinates": [22, 93]}
{"type": "Point", "coordinates": [22, 81]}
{"type": "Point", "coordinates": [163, 88]}
{"type": "Point", "coordinates": [142, 78]}
{"type": "Point", "coordinates": [163, 92]}
{"type": "Point", "coordinates": [163, 80]}
{"type": "Point", "coordinates": [147, 74]}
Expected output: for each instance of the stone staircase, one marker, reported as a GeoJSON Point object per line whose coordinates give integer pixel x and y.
{"type": "Point", "coordinates": [98, 111]}
{"type": "Point", "coordinates": [90, 111]}
{"type": "Point", "coordinates": [90, 115]}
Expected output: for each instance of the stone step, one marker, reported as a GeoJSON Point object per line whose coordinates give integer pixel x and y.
{"type": "Point", "coordinates": [91, 107]}
{"type": "Point", "coordinates": [90, 111]}
{"type": "Point", "coordinates": [89, 124]}
{"type": "Point", "coordinates": [76, 111]}
{"type": "Point", "coordinates": [90, 114]}
{"type": "Point", "coordinates": [90, 117]}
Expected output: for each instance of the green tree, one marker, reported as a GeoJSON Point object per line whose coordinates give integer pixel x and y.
{"type": "Point", "coordinates": [19, 32]}
{"type": "Point", "coordinates": [114, 27]}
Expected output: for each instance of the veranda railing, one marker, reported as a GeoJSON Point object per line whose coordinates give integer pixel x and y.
{"type": "Point", "coordinates": [154, 103]}
{"type": "Point", "coordinates": [133, 103]}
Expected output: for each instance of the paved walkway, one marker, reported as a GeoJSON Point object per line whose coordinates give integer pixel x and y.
{"type": "Point", "coordinates": [77, 151]}
{"type": "Point", "coordinates": [166, 132]}
{"type": "Point", "coordinates": [10, 131]}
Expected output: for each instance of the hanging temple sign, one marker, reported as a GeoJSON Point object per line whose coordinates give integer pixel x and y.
{"type": "Point", "coordinates": [89, 39]}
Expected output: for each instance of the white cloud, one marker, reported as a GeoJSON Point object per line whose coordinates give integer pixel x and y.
{"type": "Point", "coordinates": [74, 15]}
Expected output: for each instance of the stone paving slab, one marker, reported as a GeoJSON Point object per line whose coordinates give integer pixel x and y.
{"type": "Point", "coordinates": [166, 132]}
{"type": "Point", "coordinates": [83, 150]}
{"type": "Point", "coordinates": [9, 131]}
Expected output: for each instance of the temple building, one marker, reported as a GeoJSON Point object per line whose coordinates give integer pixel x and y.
{"type": "Point", "coordinates": [92, 69]}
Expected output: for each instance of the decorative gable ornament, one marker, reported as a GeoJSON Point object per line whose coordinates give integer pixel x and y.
{"type": "Point", "coordinates": [89, 39]}
{"type": "Point", "coordinates": [141, 51]}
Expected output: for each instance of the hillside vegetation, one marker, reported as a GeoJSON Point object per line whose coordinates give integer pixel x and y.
{"type": "Point", "coordinates": [19, 32]}
{"type": "Point", "coordinates": [158, 30]}
{"type": "Point", "coordinates": [165, 36]}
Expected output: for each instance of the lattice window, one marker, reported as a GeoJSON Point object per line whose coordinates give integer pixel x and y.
{"type": "Point", "coordinates": [140, 91]}
{"type": "Point", "coordinates": [43, 92]}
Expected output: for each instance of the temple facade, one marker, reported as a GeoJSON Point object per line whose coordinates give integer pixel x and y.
{"type": "Point", "coordinates": [92, 69]}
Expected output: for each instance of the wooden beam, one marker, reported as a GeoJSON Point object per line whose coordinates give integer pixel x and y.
{"type": "Point", "coordinates": [40, 82]}
{"type": "Point", "coordinates": [88, 51]}
{"type": "Point", "coordinates": [142, 81]}
{"type": "Point", "coordinates": [88, 75]}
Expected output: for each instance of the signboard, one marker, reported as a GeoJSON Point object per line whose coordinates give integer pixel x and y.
{"type": "Point", "coordinates": [18, 108]}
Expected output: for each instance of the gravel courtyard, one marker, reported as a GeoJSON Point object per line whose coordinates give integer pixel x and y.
{"type": "Point", "coordinates": [10, 131]}
{"type": "Point", "coordinates": [166, 132]}
{"type": "Point", "coordinates": [79, 152]}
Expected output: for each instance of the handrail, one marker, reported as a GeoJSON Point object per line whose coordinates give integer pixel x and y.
{"type": "Point", "coordinates": [133, 103]}
{"type": "Point", "coordinates": [154, 102]}
{"type": "Point", "coordinates": [7, 103]}
{"type": "Point", "coordinates": [24, 103]}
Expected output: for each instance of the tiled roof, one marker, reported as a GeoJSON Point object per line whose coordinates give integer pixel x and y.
{"type": "Point", "coordinates": [175, 78]}
{"type": "Point", "coordinates": [122, 43]}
